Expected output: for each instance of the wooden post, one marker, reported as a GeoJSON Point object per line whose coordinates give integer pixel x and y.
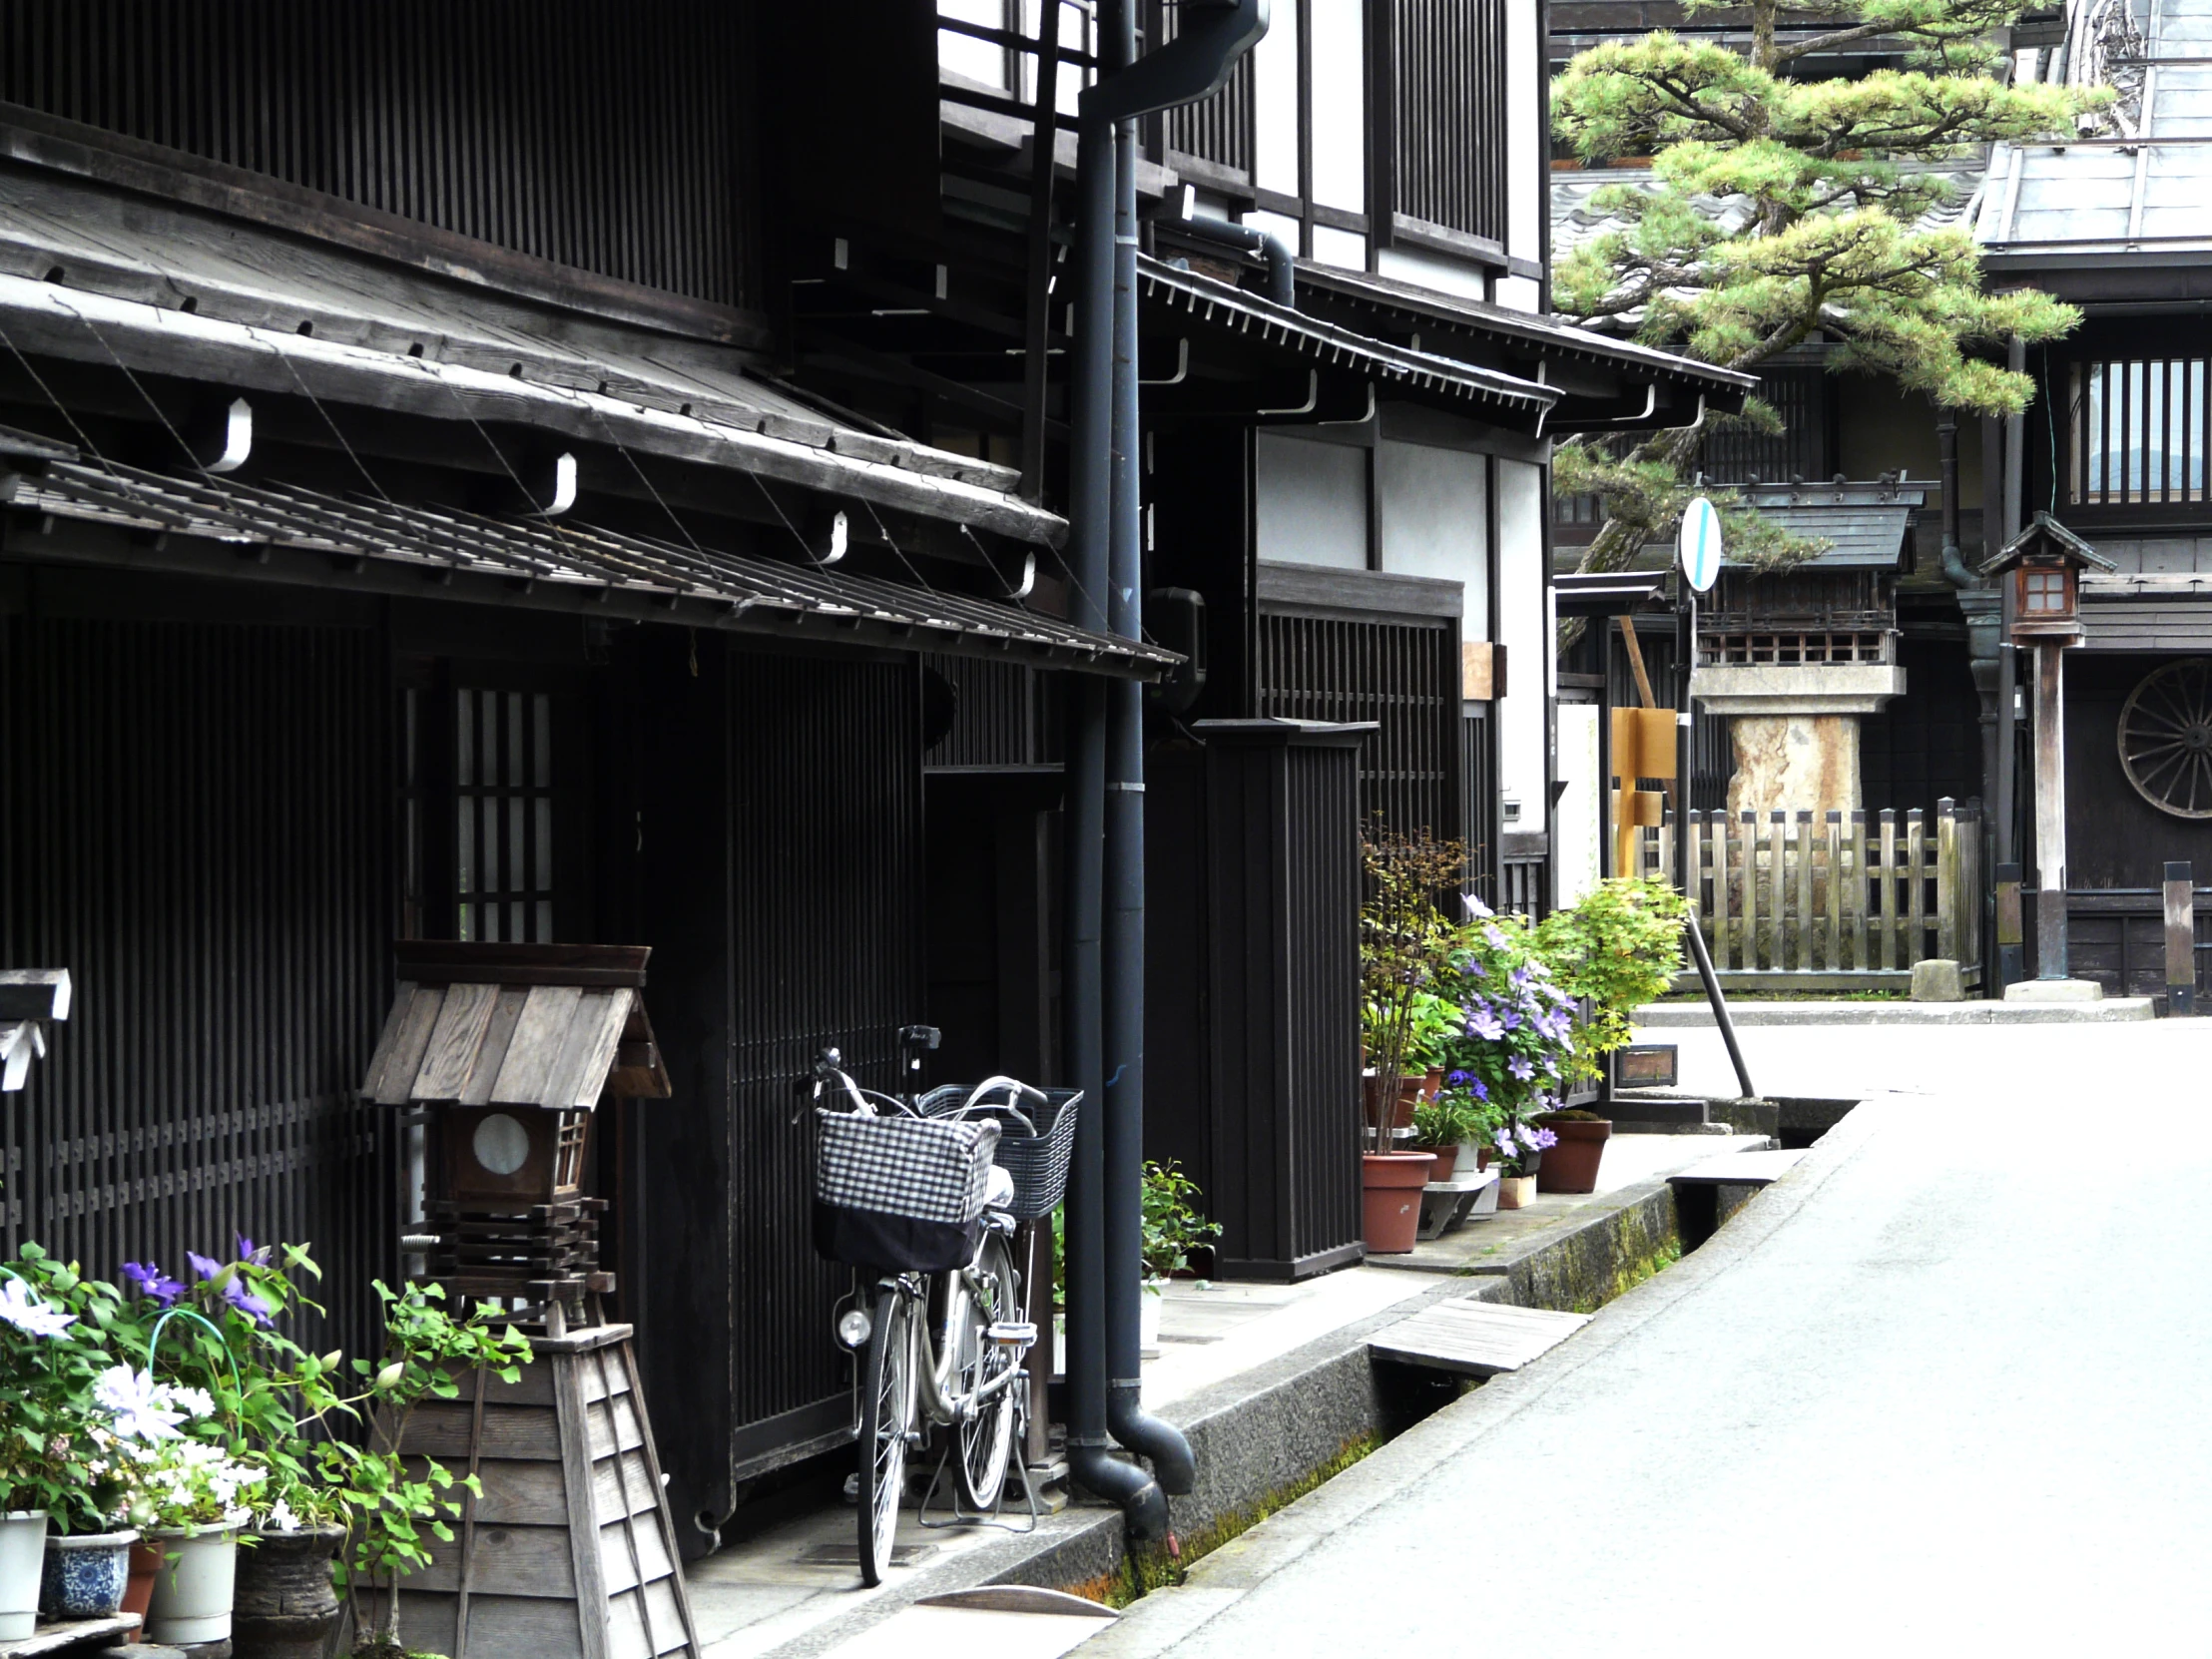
{"type": "Point", "coordinates": [2181, 939]}
{"type": "Point", "coordinates": [1855, 896]}
{"type": "Point", "coordinates": [1889, 889]}
{"type": "Point", "coordinates": [1804, 958]}
{"type": "Point", "coordinates": [1748, 955]}
{"type": "Point", "coordinates": [1834, 961]}
{"type": "Point", "coordinates": [1948, 895]}
{"type": "Point", "coordinates": [1915, 897]}
{"type": "Point", "coordinates": [1777, 889]}
{"type": "Point", "coordinates": [2051, 811]}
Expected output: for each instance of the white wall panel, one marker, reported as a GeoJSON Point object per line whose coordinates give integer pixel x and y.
{"type": "Point", "coordinates": [1275, 103]}
{"type": "Point", "coordinates": [1527, 166]}
{"type": "Point", "coordinates": [1435, 510]}
{"type": "Point", "coordinates": [1313, 501]}
{"type": "Point", "coordinates": [1340, 104]}
{"type": "Point", "coordinates": [1527, 648]}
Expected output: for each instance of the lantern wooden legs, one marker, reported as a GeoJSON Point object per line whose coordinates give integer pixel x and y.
{"type": "Point", "coordinates": [570, 1553]}
{"type": "Point", "coordinates": [2051, 811]}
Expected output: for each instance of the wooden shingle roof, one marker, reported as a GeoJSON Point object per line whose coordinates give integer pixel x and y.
{"type": "Point", "coordinates": [552, 1026]}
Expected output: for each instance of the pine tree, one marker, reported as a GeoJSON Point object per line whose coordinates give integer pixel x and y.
{"type": "Point", "coordinates": [1779, 209]}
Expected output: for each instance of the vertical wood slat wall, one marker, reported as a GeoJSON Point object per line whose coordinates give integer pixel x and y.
{"type": "Point", "coordinates": [195, 821]}
{"type": "Point", "coordinates": [1402, 672]}
{"type": "Point", "coordinates": [1449, 124]}
{"type": "Point", "coordinates": [553, 129]}
{"type": "Point", "coordinates": [826, 884]}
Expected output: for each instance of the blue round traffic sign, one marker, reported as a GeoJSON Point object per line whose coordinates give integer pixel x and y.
{"type": "Point", "coordinates": [1698, 544]}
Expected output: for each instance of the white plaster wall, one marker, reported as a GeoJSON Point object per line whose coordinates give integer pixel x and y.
{"type": "Point", "coordinates": [1581, 824]}
{"type": "Point", "coordinates": [1522, 628]}
{"type": "Point", "coordinates": [1275, 103]}
{"type": "Point", "coordinates": [1347, 249]}
{"type": "Point", "coordinates": [1433, 270]}
{"type": "Point", "coordinates": [1521, 294]}
{"type": "Point", "coordinates": [1313, 501]}
{"type": "Point", "coordinates": [1340, 104]}
{"type": "Point", "coordinates": [1435, 511]}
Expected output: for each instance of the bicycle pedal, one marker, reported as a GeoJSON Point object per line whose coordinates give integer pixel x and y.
{"type": "Point", "coordinates": [1011, 1335]}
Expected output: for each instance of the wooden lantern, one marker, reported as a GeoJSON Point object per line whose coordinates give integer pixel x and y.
{"type": "Point", "coordinates": [2045, 562]}
{"type": "Point", "coordinates": [570, 1552]}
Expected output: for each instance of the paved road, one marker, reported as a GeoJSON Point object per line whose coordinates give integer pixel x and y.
{"type": "Point", "coordinates": [1944, 1390]}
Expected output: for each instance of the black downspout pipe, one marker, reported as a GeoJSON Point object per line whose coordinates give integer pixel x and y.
{"type": "Point", "coordinates": [1090, 505]}
{"type": "Point", "coordinates": [1104, 990]}
{"type": "Point", "coordinates": [1282, 264]}
{"type": "Point", "coordinates": [1126, 1419]}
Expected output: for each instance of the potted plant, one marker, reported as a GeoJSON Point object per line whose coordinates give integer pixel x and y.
{"type": "Point", "coordinates": [1441, 1124]}
{"type": "Point", "coordinates": [1404, 946]}
{"type": "Point", "coordinates": [1520, 1150]}
{"type": "Point", "coordinates": [396, 1507]}
{"type": "Point", "coordinates": [50, 1358]}
{"type": "Point", "coordinates": [1515, 1043]}
{"type": "Point", "coordinates": [1172, 1228]}
{"type": "Point", "coordinates": [1613, 950]}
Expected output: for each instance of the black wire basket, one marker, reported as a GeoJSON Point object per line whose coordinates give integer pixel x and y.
{"type": "Point", "coordinates": [1037, 1161]}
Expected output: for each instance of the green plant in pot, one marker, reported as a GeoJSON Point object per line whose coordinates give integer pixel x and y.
{"type": "Point", "coordinates": [1405, 951]}
{"type": "Point", "coordinates": [1172, 1228]}
{"type": "Point", "coordinates": [1443, 1124]}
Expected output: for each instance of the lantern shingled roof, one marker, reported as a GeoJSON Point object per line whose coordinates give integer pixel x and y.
{"type": "Point", "coordinates": [2046, 534]}
{"type": "Point", "coordinates": [547, 1025]}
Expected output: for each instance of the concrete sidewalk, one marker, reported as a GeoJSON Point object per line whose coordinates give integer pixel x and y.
{"type": "Point", "coordinates": [794, 1587]}
{"type": "Point", "coordinates": [1937, 1391]}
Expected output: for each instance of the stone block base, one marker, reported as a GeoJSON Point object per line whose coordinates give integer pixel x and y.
{"type": "Point", "coordinates": [2055, 990]}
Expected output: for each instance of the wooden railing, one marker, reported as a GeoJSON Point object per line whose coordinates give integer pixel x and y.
{"type": "Point", "coordinates": [1845, 903]}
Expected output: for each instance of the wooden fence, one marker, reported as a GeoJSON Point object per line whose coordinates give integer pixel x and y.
{"type": "Point", "coordinates": [1846, 902]}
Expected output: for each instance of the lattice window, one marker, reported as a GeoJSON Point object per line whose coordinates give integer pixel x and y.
{"type": "Point", "coordinates": [1794, 650]}
{"type": "Point", "coordinates": [503, 815]}
{"type": "Point", "coordinates": [2141, 433]}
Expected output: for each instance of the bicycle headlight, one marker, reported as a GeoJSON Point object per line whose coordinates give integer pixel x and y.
{"type": "Point", "coordinates": [855, 1328]}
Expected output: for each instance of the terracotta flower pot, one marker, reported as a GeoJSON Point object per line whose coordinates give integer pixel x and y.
{"type": "Point", "coordinates": [285, 1608]}
{"type": "Point", "coordinates": [1389, 1195]}
{"type": "Point", "coordinates": [1572, 1166]}
{"type": "Point", "coordinates": [1447, 1160]}
{"type": "Point", "coordinates": [145, 1561]}
{"type": "Point", "coordinates": [1515, 1192]}
{"type": "Point", "coordinates": [1409, 1093]}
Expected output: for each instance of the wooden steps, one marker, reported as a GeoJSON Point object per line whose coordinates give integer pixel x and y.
{"type": "Point", "coordinates": [1474, 1339]}
{"type": "Point", "coordinates": [1740, 1169]}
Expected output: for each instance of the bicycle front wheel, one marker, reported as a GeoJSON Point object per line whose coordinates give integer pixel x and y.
{"type": "Point", "coordinates": [987, 1429]}
{"type": "Point", "coordinates": [885, 1417]}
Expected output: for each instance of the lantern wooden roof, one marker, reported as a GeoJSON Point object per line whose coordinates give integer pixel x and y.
{"type": "Point", "coordinates": [29, 998]}
{"type": "Point", "coordinates": [546, 1025]}
{"type": "Point", "coordinates": [2046, 539]}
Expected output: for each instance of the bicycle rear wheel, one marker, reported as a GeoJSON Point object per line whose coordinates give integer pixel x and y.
{"type": "Point", "coordinates": [988, 1431]}
{"type": "Point", "coordinates": [887, 1416]}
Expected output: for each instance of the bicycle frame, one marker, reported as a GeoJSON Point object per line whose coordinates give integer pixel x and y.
{"type": "Point", "coordinates": [931, 1358]}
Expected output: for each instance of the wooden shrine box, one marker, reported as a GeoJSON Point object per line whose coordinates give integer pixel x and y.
{"type": "Point", "coordinates": [570, 1552]}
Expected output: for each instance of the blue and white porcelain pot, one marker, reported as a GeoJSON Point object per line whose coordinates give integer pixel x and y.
{"type": "Point", "coordinates": [85, 1574]}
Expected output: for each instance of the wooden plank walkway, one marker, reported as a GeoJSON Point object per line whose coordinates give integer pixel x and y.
{"type": "Point", "coordinates": [1474, 1339]}
{"type": "Point", "coordinates": [1740, 1169]}
{"type": "Point", "coordinates": [55, 1635]}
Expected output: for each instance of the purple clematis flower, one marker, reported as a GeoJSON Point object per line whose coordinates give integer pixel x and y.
{"type": "Point", "coordinates": [249, 1253]}
{"type": "Point", "coordinates": [233, 1288]}
{"type": "Point", "coordinates": [1520, 1068]}
{"type": "Point", "coordinates": [151, 1282]}
{"type": "Point", "coordinates": [1477, 910]}
{"type": "Point", "coordinates": [1484, 1024]}
{"type": "Point", "coordinates": [1458, 1079]}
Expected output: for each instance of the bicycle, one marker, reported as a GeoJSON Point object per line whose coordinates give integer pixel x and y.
{"type": "Point", "coordinates": [911, 1192]}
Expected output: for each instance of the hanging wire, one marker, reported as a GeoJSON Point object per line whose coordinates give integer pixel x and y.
{"type": "Point", "coordinates": [137, 386]}
{"type": "Point", "coordinates": [291, 368]}
{"type": "Point", "coordinates": [61, 408]}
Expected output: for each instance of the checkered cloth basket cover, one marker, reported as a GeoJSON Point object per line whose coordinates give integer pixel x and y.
{"type": "Point", "coordinates": [900, 1193]}
{"type": "Point", "coordinates": [1038, 1163]}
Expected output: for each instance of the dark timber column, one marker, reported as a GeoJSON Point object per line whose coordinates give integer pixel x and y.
{"type": "Point", "coordinates": [2051, 811]}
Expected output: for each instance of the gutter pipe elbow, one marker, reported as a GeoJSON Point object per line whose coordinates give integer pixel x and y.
{"type": "Point", "coordinates": [1173, 1465]}
{"type": "Point", "coordinates": [1124, 1485]}
{"type": "Point", "coordinates": [1282, 264]}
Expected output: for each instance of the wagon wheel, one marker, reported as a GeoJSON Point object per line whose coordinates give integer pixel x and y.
{"type": "Point", "coordinates": [2166, 738]}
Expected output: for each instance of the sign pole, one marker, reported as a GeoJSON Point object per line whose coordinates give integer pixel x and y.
{"type": "Point", "coordinates": [1698, 551]}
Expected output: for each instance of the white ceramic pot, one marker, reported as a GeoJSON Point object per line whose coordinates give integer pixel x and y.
{"type": "Point", "coordinates": [192, 1586]}
{"type": "Point", "coordinates": [86, 1574]}
{"type": "Point", "coordinates": [1148, 1317]}
{"type": "Point", "coordinates": [22, 1559]}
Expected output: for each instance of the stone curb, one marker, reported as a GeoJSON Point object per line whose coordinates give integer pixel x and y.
{"type": "Point", "coordinates": [1667, 1016]}
{"type": "Point", "coordinates": [1160, 1621]}
{"type": "Point", "coordinates": [1262, 1429]}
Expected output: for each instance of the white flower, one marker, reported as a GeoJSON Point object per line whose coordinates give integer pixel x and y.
{"type": "Point", "coordinates": [197, 1402]}
{"type": "Point", "coordinates": [280, 1519]}
{"type": "Point", "coordinates": [139, 1404]}
{"type": "Point", "coordinates": [26, 1313]}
